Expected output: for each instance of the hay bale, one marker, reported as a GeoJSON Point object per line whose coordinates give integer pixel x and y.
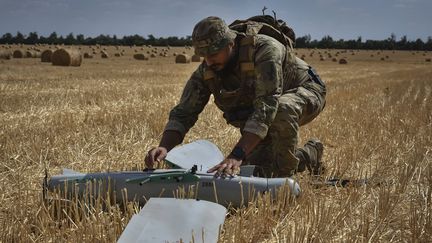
{"type": "Point", "coordinates": [104, 54]}
{"type": "Point", "coordinates": [140, 56]}
{"type": "Point", "coordinates": [334, 59]}
{"type": "Point", "coordinates": [28, 54]}
{"type": "Point", "coordinates": [152, 55]}
{"type": "Point", "coordinates": [46, 56]}
{"type": "Point", "coordinates": [343, 61]}
{"type": "Point", "coordinates": [183, 58]}
{"type": "Point", "coordinates": [322, 59]}
{"type": "Point", "coordinates": [88, 55]}
{"type": "Point", "coordinates": [19, 54]}
{"type": "Point", "coordinates": [66, 57]}
{"type": "Point", "coordinates": [428, 60]}
{"type": "Point", "coordinates": [196, 58]}
{"type": "Point", "coordinates": [117, 55]}
{"type": "Point", "coordinates": [5, 55]}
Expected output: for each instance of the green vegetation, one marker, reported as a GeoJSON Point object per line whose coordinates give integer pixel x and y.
{"type": "Point", "coordinates": [306, 41]}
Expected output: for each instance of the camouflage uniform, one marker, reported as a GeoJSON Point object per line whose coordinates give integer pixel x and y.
{"type": "Point", "coordinates": [266, 90]}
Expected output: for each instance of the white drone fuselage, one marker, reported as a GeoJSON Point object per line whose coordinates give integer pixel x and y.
{"type": "Point", "coordinates": [140, 186]}
{"type": "Point", "coordinates": [143, 185]}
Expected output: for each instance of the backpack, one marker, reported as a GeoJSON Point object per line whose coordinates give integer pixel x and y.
{"type": "Point", "coordinates": [267, 25]}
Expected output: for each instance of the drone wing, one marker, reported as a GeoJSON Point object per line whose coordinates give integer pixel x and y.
{"type": "Point", "coordinates": [175, 220]}
{"type": "Point", "coordinates": [202, 153]}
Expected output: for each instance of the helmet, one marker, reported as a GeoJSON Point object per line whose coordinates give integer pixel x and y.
{"type": "Point", "coordinates": [211, 35]}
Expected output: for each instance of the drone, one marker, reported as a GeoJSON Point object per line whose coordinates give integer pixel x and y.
{"type": "Point", "coordinates": [156, 190]}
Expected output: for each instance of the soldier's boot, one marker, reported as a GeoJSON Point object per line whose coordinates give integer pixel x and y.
{"type": "Point", "coordinates": [310, 157]}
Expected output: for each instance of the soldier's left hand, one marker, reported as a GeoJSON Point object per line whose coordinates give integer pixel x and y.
{"type": "Point", "coordinates": [229, 166]}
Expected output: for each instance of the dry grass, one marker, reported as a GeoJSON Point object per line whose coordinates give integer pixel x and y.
{"type": "Point", "coordinates": [107, 113]}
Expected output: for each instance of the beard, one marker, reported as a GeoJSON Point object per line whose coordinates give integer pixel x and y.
{"type": "Point", "coordinates": [222, 69]}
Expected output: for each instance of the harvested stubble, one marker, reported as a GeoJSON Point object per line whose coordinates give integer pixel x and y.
{"type": "Point", "coordinates": [19, 54]}
{"type": "Point", "coordinates": [183, 58]}
{"type": "Point", "coordinates": [140, 56]}
{"type": "Point", "coordinates": [4, 54]}
{"type": "Point", "coordinates": [196, 58]}
{"type": "Point", "coordinates": [66, 57]}
{"type": "Point", "coordinates": [46, 56]}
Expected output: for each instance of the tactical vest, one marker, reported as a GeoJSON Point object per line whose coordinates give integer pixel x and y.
{"type": "Point", "coordinates": [237, 104]}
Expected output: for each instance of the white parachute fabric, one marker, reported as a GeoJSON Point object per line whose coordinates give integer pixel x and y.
{"type": "Point", "coordinates": [172, 220]}
{"type": "Point", "coordinates": [202, 153]}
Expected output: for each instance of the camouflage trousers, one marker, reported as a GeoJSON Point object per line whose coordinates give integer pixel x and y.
{"type": "Point", "coordinates": [275, 156]}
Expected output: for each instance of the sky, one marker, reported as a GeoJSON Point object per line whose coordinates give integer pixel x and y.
{"type": "Point", "coordinates": [341, 19]}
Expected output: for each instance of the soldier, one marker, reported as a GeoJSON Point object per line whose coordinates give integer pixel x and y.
{"type": "Point", "coordinates": [262, 88]}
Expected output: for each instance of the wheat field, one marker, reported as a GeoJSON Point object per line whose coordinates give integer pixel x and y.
{"type": "Point", "coordinates": [106, 114]}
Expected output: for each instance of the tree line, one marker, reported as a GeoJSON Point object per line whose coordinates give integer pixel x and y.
{"type": "Point", "coordinates": [391, 43]}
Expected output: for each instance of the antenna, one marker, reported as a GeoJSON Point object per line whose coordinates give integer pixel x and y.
{"type": "Point", "coordinates": [274, 15]}
{"type": "Point", "coordinates": [263, 10]}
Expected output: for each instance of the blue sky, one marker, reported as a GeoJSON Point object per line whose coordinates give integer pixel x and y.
{"type": "Point", "coordinates": [347, 19]}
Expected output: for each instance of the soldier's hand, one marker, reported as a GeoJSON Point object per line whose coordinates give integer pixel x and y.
{"type": "Point", "coordinates": [229, 166]}
{"type": "Point", "coordinates": [155, 155]}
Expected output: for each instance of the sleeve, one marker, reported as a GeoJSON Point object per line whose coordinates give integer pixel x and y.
{"type": "Point", "coordinates": [269, 57]}
{"type": "Point", "coordinates": [193, 100]}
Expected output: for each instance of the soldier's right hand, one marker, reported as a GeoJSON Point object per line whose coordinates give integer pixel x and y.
{"type": "Point", "coordinates": [156, 154]}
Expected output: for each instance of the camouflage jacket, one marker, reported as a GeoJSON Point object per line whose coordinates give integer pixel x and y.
{"type": "Point", "coordinates": [275, 70]}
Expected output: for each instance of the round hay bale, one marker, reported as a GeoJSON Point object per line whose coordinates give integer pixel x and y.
{"type": "Point", "coordinates": [428, 60]}
{"type": "Point", "coordinates": [5, 55]}
{"type": "Point", "coordinates": [46, 56]}
{"type": "Point", "coordinates": [117, 55]}
{"type": "Point", "coordinates": [32, 54]}
{"type": "Point", "coordinates": [104, 54]}
{"type": "Point", "coordinates": [140, 56]}
{"type": "Point", "coordinates": [183, 58]}
{"type": "Point", "coordinates": [322, 59]}
{"type": "Point", "coordinates": [66, 57]}
{"type": "Point", "coordinates": [343, 61]}
{"type": "Point", "coordinates": [382, 59]}
{"type": "Point", "coordinates": [152, 55]}
{"type": "Point", "coordinates": [88, 55]}
{"type": "Point", "coordinates": [175, 54]}
{"type": "Point", "coordinates": [334, 59]}
{"type": "Point", "coordinates": [19, 54]}
{"type": "Point", "coordinates": [196, 58]}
